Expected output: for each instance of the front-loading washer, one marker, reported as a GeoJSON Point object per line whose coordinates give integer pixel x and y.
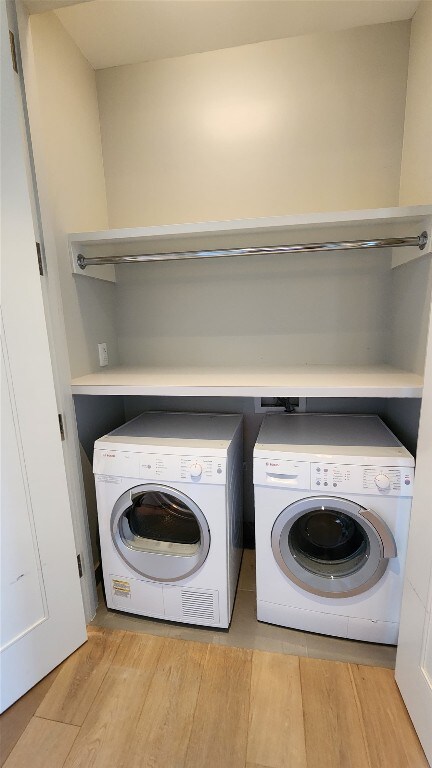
{"type": "Point", "coordinates": [168, 489]}
{"type": "Point", "coordinates": [332, 510]}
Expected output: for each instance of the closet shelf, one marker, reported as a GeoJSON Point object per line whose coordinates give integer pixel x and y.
{"type": "Point", "coordinates": [295, 381]}
{"type": "Point", "coordinates": [250, 234]}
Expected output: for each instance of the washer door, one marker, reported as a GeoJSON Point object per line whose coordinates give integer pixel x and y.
{"type": "Point", "coordinates": [332, 547]}
{"type": "Point", "coordinates": [159, 532]}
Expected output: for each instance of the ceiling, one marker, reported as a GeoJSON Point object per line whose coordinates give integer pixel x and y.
{"type": "Point", "coordinates": [115, 32]}
{"type": "Point", "coordinates": [41, 6]}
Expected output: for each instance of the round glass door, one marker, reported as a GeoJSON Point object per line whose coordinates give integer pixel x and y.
{"type": "Point", "coordinates": [160, 533]}
{"type": "Point", "coordinates": [332, 547]}
{"type": "Point", "coordinates": [329, 543]}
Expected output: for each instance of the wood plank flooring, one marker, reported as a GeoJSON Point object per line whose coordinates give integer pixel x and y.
{"type": "Point", "coordinates": [129, 700]}
{"type": "Point", "coordinates": [80, 679]}
{"type": "Point", "coordinates": [14, 721]}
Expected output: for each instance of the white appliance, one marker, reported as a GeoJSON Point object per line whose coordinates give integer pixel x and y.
{"type": "Point", "coordinates": [332, 510]}
{"type": "Point", "coordinates": [168, 489]}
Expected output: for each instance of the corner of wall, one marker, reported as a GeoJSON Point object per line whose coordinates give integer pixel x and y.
{"type": "Point", "coordinates": [416, 166]}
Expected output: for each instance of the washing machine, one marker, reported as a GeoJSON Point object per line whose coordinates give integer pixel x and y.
{"type": "Point", "coordinates": [332, 511]}
{"type": "Point", "coordinates": [168, 490]}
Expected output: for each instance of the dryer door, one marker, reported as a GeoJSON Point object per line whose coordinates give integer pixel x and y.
{"type": "Point", "coordinates": [332, 547]}
{"type": "Point", "coordinates": [160, 532]}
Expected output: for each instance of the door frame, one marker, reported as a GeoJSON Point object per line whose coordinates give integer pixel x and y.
{"type": "Point", "coordinates": [44, 621]}
{"type": "Point", "coordinates": [415, 636]}
{"type": "Point", "coordinates": [18, 19]}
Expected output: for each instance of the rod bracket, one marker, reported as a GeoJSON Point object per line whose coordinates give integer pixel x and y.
{"type": "Point", "coordinates": [81, 261]}
{"type": "Point", "coordinates": [423, 238]}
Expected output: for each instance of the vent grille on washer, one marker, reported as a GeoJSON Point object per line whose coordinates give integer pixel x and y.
{"type": "Point", "coordinates": [199, 605]}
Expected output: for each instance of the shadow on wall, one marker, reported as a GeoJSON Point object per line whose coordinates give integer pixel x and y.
{"type": "Point", "coordinates": [95, 417]}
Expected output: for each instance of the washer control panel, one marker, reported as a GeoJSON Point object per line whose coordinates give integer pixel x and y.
{"type": "Point", "coordinates": [155, 467]}
{"type": "Point", "coordinates": [374, 480]}
{"type": "Point", "coordinates": [282, 473]}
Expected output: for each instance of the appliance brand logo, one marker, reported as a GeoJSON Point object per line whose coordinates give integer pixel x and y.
{"type": "Point", "coordinates": [271, 464]}
{"type": "Point", "coordinates": [110, 455]}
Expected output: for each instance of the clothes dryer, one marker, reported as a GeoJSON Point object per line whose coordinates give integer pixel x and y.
{"type": "Point", "coordinates": [168, 489]}
{"type": "Point", "coordinates": [332, 510]}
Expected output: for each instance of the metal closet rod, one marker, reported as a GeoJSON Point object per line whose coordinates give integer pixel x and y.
{"type": "Point", "coordinates": [346, 245]}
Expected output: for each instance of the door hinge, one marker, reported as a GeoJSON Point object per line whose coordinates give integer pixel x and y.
{"type": "Point", "coordinates": [39, 258]}
{"type": "Point", "coordinates": [13, 51]}
{"type": "Point", "coordinates": [61, 426]}
{"type": "Point", "coordinates": [80, 568]}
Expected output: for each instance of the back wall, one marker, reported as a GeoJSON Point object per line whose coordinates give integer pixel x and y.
{"type": "Point", "coordinates": [288, 126]}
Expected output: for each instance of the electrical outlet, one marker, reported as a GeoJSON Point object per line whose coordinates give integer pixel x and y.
{"type": "Point", "coordinates": [103, 354]}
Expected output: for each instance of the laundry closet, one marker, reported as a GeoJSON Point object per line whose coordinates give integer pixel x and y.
{"type": "Point", "coordinates": [316, 138]}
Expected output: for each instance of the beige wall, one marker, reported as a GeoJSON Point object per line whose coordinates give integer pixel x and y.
{"type": "Point", "coordinates": [66, 85]}
{"type": "Point", "coordinates": [416, 175]}
{"type": "Point", "coordinates": [302, 124]}
{"type": "Point", "coordinates": [69, 166]}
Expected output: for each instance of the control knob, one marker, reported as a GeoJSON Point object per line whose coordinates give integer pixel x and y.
{"type": "Point", "coordinates": [195, 470]}
{"type": "Point", "coordinates": [382, 482]}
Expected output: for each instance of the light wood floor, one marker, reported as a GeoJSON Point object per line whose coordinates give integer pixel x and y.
{"type": "Point", "coordinates": [246, 632]}
{"type": "Point", "coordinates": [129, 700]}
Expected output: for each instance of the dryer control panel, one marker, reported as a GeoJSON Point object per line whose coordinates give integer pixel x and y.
{"type": "Point", "coordinates": [369, 479]}
{"type": "Point", "coordinates": [155, 467]}
{"type": "Point", "coordinates": [192, 469]}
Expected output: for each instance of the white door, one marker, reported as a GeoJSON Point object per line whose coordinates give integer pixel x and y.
{"type": "Point", "coordinates": [42, 617]}
{"type": "Point", "coordinates": [414, 657]}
